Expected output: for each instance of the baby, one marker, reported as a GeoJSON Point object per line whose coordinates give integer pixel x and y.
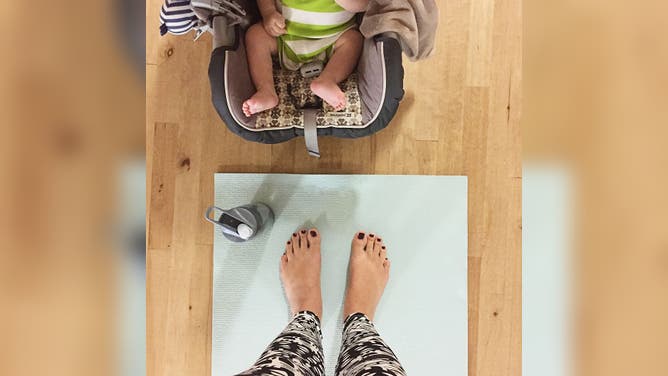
{"type": "Point", "coordinates": [303, 30]}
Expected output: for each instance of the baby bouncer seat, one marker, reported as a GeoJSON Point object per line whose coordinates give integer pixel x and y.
{"type": "Point", "coordinates": [373, 91]}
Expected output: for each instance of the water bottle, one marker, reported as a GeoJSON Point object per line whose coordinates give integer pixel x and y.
{"type": "Point", "coordinates": [241, 223]}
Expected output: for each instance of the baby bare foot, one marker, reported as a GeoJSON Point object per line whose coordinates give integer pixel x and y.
{"type": "Point", "coordinates": [260, 101]}
{"type": "Point", "coordinates": [369, 270]}
{"type": "Point", "coordinates": [330, 92]}
{"type": "Point", "coordinates": [300, 272]}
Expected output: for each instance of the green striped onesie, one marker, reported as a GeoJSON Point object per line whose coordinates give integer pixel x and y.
{"type": "Point", "coordinates": [312, 28]}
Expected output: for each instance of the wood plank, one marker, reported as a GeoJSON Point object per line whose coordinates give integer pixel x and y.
{"type": "Point", "coordinates": [480, 43]}
{"type": "Point", "coordinates": [160, 217]}
{"type": "Point", "coordinates": [179, 307]}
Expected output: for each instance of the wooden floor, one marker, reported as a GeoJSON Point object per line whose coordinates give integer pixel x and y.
{"type": "Point", "coordinates": [460, 116]}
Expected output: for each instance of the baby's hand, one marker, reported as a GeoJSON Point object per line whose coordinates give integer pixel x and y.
{"type": "Point", "coordinates": [274, 24]}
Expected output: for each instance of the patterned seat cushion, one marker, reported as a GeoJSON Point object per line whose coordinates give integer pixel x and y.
{"type": "Point", "coordinates": [294, 93]}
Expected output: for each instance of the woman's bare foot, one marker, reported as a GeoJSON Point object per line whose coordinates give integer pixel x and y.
{"type": "Point", "coordinates": [330, 92]}
{"type": "Point", "coordinates": [300, 272]}
{"type": "Point", "coordinates": [260, 101]}
{"type": "Point", "coordinates": [369, 270]}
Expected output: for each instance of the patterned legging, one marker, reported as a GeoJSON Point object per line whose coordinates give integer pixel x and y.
{"type": "Point", "coordinates": [298, 350]}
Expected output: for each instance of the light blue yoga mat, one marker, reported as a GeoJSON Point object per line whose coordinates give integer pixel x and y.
{"type": "Point", "coordinates": [422, 220]}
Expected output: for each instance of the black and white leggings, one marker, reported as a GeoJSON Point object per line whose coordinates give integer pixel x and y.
{"type": "Point", "coordinates": [298, 350]}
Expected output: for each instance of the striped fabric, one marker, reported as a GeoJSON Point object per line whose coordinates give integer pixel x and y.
{"type": "Point", "coordinates": [312, 28]}
{"type": "Point", "coordinates": [177, 17]}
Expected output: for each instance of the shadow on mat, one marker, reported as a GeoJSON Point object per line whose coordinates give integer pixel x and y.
{"type": "Point", "coordinates": [330, 209]}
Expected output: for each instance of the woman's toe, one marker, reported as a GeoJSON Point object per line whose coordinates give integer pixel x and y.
{"type": "Point", "coordinates": [359, 241]}
{"type": "Point", "coordinates": [371, 241]}
{"type": "Point", "coordinates": [303, 241]}
{"type": "Point", "coordinates": [294, 242]}
{"type": "Point", "coordinates": [313, 238]}
{"type": "Point", "coordinates": [377, 243]}
{"type": "Point", "coordinates": [288, 249]}
{"type": "Point", "coordinates": [383, 252]}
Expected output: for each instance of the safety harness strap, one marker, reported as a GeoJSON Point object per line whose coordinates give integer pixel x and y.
{"type": "Point", "coordinates": [311, 132]}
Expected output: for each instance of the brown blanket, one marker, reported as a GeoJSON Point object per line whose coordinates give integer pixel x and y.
{"type": "Point", "coordinates": [412, 21]}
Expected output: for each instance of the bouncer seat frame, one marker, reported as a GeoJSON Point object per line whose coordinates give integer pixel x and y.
{"type": "Point", "coordinates": [379, 75]}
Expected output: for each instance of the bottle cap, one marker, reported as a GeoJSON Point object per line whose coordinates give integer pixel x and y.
{"type": "Point", "coordinates": [244, 231]}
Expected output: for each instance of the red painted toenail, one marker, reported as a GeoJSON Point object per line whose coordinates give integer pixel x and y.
{"type": "Point", "coordinates": [379, 239]}
{"type": "Point", "coordinates": [383, 247]}
{"type": "Point", "coordinates": [288, 242]}
{"type": "Point", "coordinates": [360, 236]}
{"type": "Point", "coordinates": [294, 234]}
{"type": "Point", "coordinates": [371, 235]}
{"type": "Point", "coordinates": [313, 233]}
{"type": "Point", "coordinates": [303, 231]}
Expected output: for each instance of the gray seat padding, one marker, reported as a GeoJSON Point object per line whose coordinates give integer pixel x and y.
{"type": "Point", "coordinates": [373, 91]}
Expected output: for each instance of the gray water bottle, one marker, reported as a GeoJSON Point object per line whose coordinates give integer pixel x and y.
{"type": "Point", "coordinates": [241, 223]}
